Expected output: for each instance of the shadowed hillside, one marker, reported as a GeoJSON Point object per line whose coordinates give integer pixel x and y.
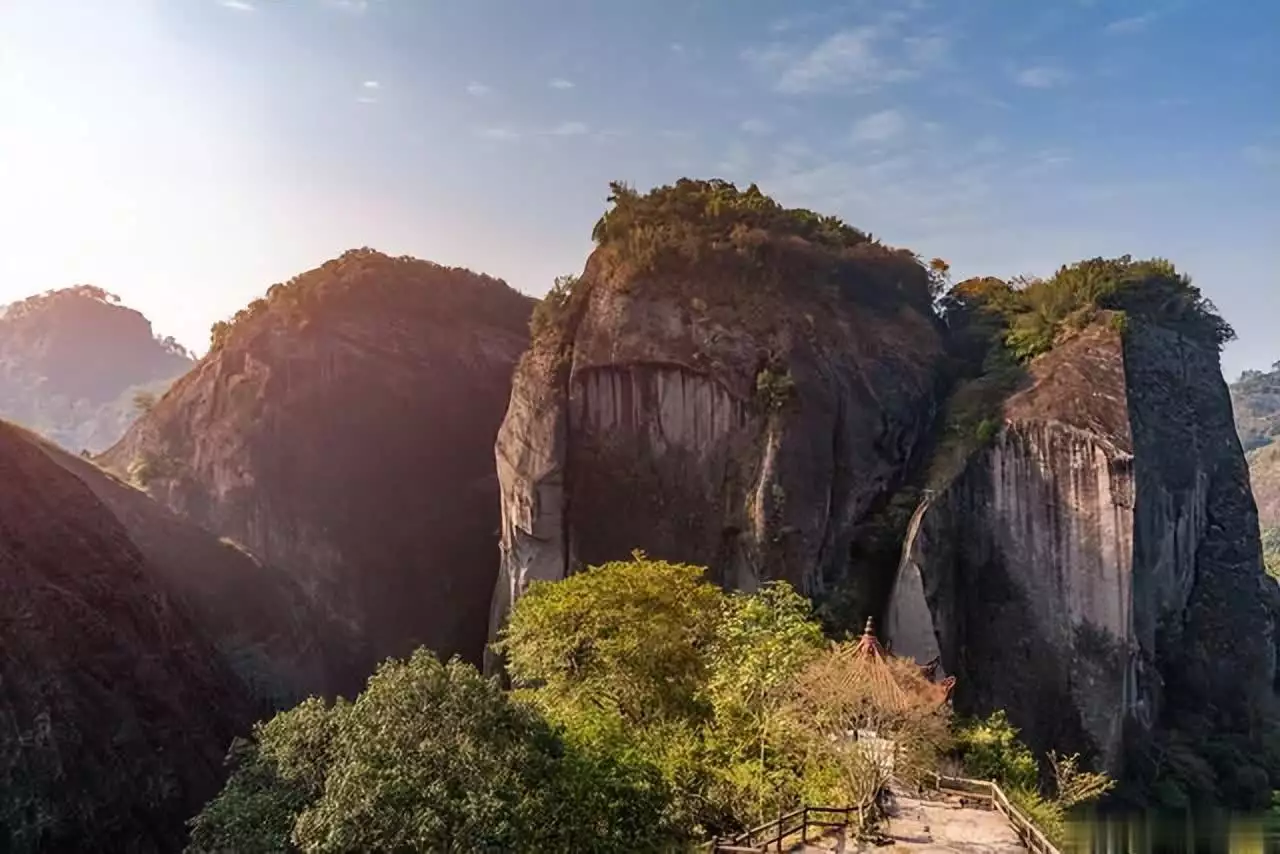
{"type": "Point", "coordinates": [342, 429]}
{"type": "Point", "coordinates": [115, 711]}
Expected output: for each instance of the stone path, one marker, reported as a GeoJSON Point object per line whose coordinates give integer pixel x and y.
{"type": "Point", "coordinates": [944, 826]}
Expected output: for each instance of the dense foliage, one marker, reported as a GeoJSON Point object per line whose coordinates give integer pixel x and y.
{"type": "Point", "coordinates": [430, 757]}
{"type": "Point", "coordinates": [1271, 551]}
{"type": "Point", "coordinates": [365, 276]}
{"type": "Point", "coordinates": [989, 749]}
{"type": "Point", "coordinates": [1031, 315]}
{"type": "Point", "coordinates": [712, 223]}
{"type": "Point", "coordinates": [733, 698]}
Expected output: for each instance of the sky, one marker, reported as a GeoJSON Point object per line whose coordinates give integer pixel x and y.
{"type": "Point", "coordinates": [186, 154]}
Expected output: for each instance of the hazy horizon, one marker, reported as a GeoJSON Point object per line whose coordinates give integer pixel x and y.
{"type": "Point", "coordinates": [186, 154]}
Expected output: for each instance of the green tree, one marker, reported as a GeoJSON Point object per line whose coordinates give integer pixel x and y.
{"type": "Point", "coordinates": [646, 661]}
{"type": "Point", "coordinates": [762, 641]}
{"type": "Point", "coordinates": [628, 637]}
{"type": "Point", "coordinates": [430, 757]}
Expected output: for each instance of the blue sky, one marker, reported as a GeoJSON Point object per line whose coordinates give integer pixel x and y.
{"type": "Point", "coordinates": [188, 153]}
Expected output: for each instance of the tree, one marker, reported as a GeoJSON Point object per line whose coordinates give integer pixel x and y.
{"type": "Point", "coordinates": [645, 661]}
{"type": "Point", "coordinates": [430, 757]}
{"type": "Point", "coordinates": [763, 640]}
{"type": "Point", "coordinates": [628, 637]}
{"type": "Point", "coordinates": [144, 401]}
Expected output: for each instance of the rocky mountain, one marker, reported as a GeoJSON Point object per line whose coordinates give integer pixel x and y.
{"type": "Point", "coordinates": [73, 361]}
{"type": "Point", "coordinates": [735, 390]}
{"type": "Point", "coordinates": [771, 393]}
{"type": "Point", "coordinates": [116, 709]}
{"type": "Point", "coordinates": [341, 429]}
{"type": "Point", "coordinates": [1093, 565]}
{"type": "Point", "coordinates": [1255, 397]}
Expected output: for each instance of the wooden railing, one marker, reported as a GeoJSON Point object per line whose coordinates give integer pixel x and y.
{"type": "Point", "coordinates": [793, 824]}
{"type": "Point", "coordinates": [1034, 840]}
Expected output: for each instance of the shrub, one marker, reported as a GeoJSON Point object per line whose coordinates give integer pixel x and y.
{"type": "Point", "coordinates": [429, 757]}
{"type": "Point", "coordinates": [754, 237]}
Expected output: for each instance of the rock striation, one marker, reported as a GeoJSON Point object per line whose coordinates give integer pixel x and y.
{"type": "Point", "coordinates": [115, 710]}
{"type": "Point", "coordinates": [341, 430]}
{"type": "Point", "coordinates": [1096, 566]}
{"type": "Point", "coordinates": [733, 410]}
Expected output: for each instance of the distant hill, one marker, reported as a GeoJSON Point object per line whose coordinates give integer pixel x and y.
{"type": "Point", "coordinates": [1256, 399]}
{"type": "Point", "coordinates": [342, 429]}
{"type": "Point", "coordinates": [72, 362]}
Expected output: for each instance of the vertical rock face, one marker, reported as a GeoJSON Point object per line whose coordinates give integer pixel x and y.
{"type": "Point", "coordinates": [1099, 560]}
{"type": "Point", "coordinates": [115, 712]}
{"type": "Point", "coordinates": [342, 430]}
{"type": "Point", "coordinates": [717, 422]}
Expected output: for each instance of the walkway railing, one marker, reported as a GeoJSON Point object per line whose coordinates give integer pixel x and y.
{"type": "Point", "coordinates": [784, 827]}
{"type": "Point", "coordinates": [1031, 836]}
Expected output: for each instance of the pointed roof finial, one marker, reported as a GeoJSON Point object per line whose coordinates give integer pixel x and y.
{"type": "Point", "coordinates": [869, 631]}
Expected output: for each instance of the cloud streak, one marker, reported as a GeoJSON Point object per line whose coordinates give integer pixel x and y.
{"type": "Point", "coordinates": [859, 59]}
{"type": "Point", "coordinates": [353, 7]}
{"type": "Point", "coordinates": [880, 127]}
{"type": "Point", "coordinates": [238, 5]}
{"type": "Point", "coordinates": [478, 90]}
{"type": "Point", "coordinates": [1129, 26]}
{"type": "Point", "coordinates": [560, 83]}
{"type": "Point", "coordinates": [1041, 77]}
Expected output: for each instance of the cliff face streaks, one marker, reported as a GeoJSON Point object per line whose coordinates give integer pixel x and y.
{"type": "Point", "coordinates": [1097, 552]}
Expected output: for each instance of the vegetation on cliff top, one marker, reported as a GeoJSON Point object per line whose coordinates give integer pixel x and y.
{"type": "Point", "coordinates": [366, 277]}
{"type": "Point", "coordinates": [756, 243]}
{"type": "Point", "coordinates": [1033, 314]}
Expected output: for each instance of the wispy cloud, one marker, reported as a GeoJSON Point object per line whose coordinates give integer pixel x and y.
{"type": "Point", "coordinates": [237, 5]}
{"type": "Point", "coordinates": [371, 84]}
{"type": "Point", "coordinates": [880, 127]}
{"type": "Point", "coordinates": [1051, 158]}
{"type": "Point", "coordinates": [560, 83]}
{"type": "Point", "coordinates": [479, 90]}
{"type": "Point", "coordinates": [857, 59]}
{"type": "Point", "coordinates": [756, 127]}
{"type": "Point", "coordinates": [1128, 26]}
{"type": "Point", "coordinates": [1041, 77]}
{"type": "Point", "coordinates": [498, 134]}
{"type": "Point", "coordinates": [569, 129]}
{"type": "Point", "coordinates": [1262, 156]}
{"type": "Point", "coordinates": [354, 7]}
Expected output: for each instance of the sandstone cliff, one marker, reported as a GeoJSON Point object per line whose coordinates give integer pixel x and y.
{"type": "Point", "coordinates": [723, 385]}
{"type": "Point", "coordinates": [1096, 569]}
{"type": "Point", "coordinates": [341, 429]}
{"type": "Point", "coordinates": [115, 712]}
{"type": "Point", "coordinates": [72, 361]}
